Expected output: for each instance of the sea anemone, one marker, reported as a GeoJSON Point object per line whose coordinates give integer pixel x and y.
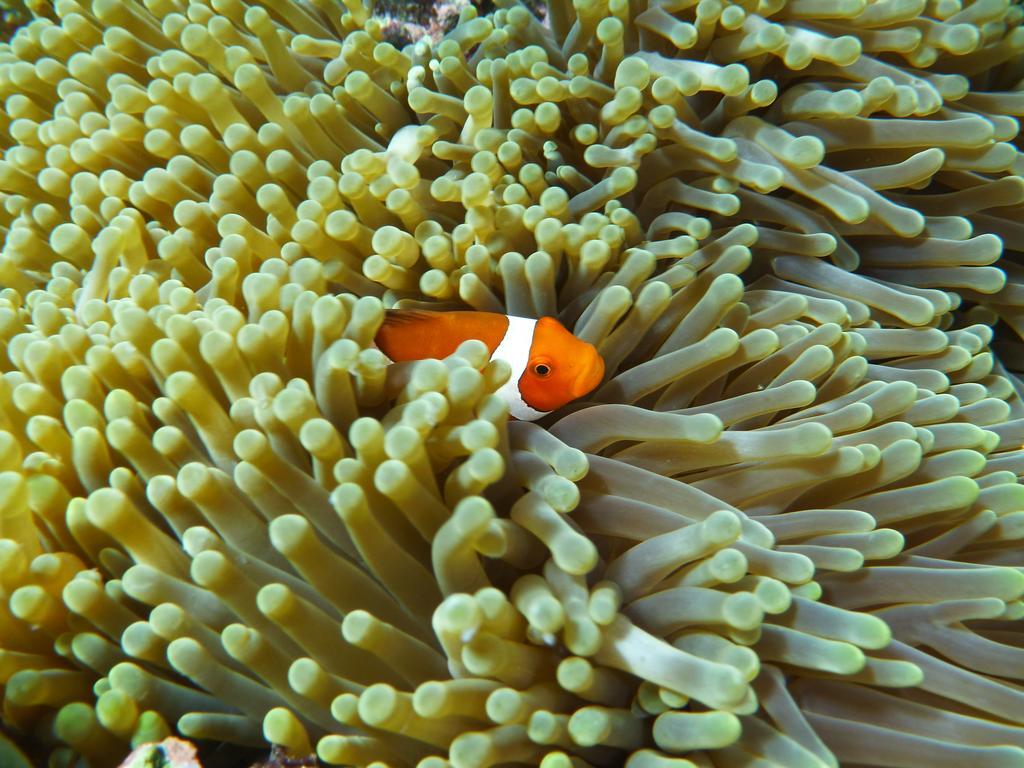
{"type": "Point", "coordinates": [783, 532]}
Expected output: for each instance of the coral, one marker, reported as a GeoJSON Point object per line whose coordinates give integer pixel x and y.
{"type": "Point", "coordinates": [13, 14]}
{"type": "Point", "coordinates": [169, 753]}
{"type": "Point", "coordinates": [786, 529]}
{"type": "Point", "coordinates": [406, 21]}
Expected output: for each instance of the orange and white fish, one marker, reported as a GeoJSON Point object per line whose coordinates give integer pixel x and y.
{"type": "Point", "coordinates": [550, 366]}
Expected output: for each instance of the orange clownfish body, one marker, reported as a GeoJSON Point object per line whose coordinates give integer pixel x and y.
{"type": "Point", "coordinates": [550, 366]}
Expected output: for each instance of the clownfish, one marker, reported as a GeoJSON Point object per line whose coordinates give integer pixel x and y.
{"type": "Point", "coordinates": [550, 366]}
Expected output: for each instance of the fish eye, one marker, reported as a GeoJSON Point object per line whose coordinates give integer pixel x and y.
{"type": "Point", "coordinates": [542, 369]}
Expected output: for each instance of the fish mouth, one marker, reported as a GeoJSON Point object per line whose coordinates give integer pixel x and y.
{"type": "Point", "coordinates": [589, 378]}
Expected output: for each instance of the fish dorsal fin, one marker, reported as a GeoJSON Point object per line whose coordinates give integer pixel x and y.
{"type": "Point", "coordinates": [396, 317]}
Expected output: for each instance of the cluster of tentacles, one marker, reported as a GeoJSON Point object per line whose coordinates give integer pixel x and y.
{"type": "Point", "coordinates": [786, 529]}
